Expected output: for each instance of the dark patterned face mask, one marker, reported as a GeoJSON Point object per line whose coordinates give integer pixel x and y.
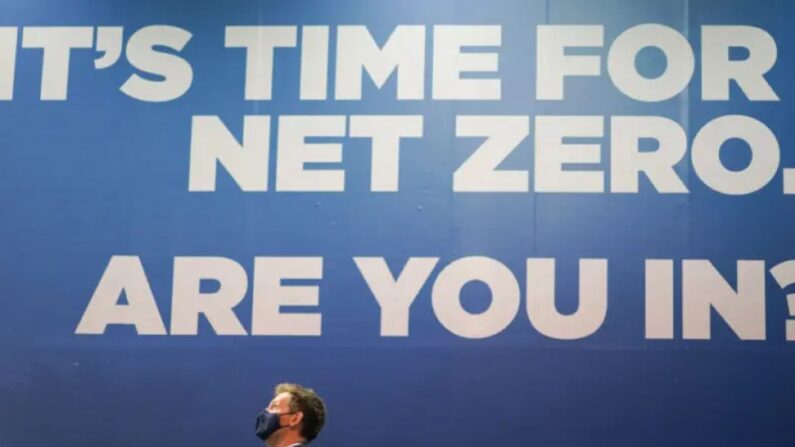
{"type": "Point", "coordinates": [268, 423]}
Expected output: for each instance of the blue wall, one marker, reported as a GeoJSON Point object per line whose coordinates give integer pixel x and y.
{"type": "Point", "coordinates": [102, 174]}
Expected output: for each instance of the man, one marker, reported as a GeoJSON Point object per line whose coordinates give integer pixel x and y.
{"type": "Point", "coordinates": [294, 417]}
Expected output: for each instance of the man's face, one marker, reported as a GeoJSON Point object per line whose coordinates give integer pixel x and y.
{"type": "Point", "coordinates": [288, 420]}
{"type": "Point", "coordinates": [280, 404]}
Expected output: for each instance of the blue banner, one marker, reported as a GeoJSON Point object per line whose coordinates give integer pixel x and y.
{"type": "Point", "coordinates": [556, 223]}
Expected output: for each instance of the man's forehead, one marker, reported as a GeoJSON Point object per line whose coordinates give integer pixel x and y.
{"type": "Point", "coordinates": [282, 398]}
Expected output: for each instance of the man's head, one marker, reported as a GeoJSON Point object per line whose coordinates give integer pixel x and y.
{"type": "Point", "coordinates": [302, 413]}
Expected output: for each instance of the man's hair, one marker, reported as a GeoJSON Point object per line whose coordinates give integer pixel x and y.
{"type": "Point", "coordinates": [309, 403]}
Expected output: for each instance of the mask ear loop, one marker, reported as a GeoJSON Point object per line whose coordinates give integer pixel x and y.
{"type": "Point", "coordinates": [285, 414]}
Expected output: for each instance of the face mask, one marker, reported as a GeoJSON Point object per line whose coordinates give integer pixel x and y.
{"type": "Point", "coordinates": [268, 423]}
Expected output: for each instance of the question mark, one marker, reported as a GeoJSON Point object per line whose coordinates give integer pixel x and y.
{"type": "Point", "coordinates": [784, 275]}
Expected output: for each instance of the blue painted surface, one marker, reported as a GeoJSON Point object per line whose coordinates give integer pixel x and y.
{"type": "Point", "coordinates": [103, 174]}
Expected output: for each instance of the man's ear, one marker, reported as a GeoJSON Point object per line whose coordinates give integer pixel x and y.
{"type": "Point", "coordinates": [296, 418]}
